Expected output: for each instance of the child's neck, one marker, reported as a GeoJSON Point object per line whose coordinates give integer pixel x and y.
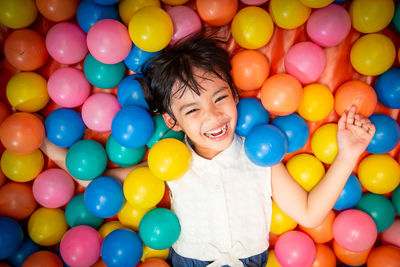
{"type": "Point", "coordinates": [206, 153]}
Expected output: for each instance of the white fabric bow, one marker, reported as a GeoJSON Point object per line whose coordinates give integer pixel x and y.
{"type": "Point", "coordinates": [228, 257]}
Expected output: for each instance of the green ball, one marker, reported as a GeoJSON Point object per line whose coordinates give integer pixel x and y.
{"type": "Point", "coordinates": [86, 159]}
{"type": "Point", "coordinates": [159, 228]}
{"type": "Point", "coordinates": [123, 156]}
{"type": "Point", "coordinates": [396, 199]}
{"type": "Point", "coordinates": [379, 208]}
{"type": "Point", "coordinates": [76, 214]}
{"type": "Point", "coordinates": [161, 131]}
{"type": "Point", "coordinates": [396, 18]}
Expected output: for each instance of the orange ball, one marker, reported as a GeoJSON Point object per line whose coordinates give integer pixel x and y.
{"type": "Point", "coordinates": [281, 94]}
{"type": "Point", "coordinates": [43, 259]}
{"type": "Point", "coordinates": [153, 262]}
{"type": "Point", "coordinates": [57, 10]}
{"type": "Point", "coordinates": [350, 257]}
{"type": "Point", "coordinates": [325, 257]}
{"type": "Point", "coordinates": [384, 256]}
{"type": "Point", "coordinates": [356, 93]}
{"type": "Point", "coordinates": [322, 233]}
{"type": "Point", "coordinates": [250, 69]}
{"type": "Point", "coordinates": [217, 12]}
{"type": "Point", "coordinates": [17, 200]}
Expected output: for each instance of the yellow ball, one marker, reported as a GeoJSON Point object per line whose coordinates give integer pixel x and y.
{"type": "Point", "coordinates": [289, 14]}
{"type": "Point", "coordinates": [252, 27]}
{"type": "Point", "coordinates": [368, 16]}
{"type": "Point", "coordinates": [324, 142]}
{"type": "Point", "coordinates": [280, 222]}
{"type": "Point", "coordinates": [169, 159]}
{"type": "Point", "coordinates": [17, 14]}
{"type": "Point", "coordinates": [27, 91]}
{"type": "Point", "coordinates": [22, 167]}
{"type": "Point", "coordinates": [306, 170]}
{"type": "Point", "coordinates": [108, 227]}
{"type": "Point", "coordinates": [316, 3]}
{"type": "Point", "coordinates": [128, 7]}
{"type": "Point", "coordinates": [47, 226]}
{"type": "Point", "coordinates": [272, 261]}
{"type": "Point", "coordinates": [317, 102]}
{"type": "Point", "coordinates": [154, 253]}
{"type": "Point", "coordinates": [130, 216]}
{"type": "Point", "coordinates": [372, 54]}
{"type": "Point", "coordinates": [379, 173]}
{"type": "Point", "coordinates": [175, 2]}
{"type": "Point", "coordinates": [151, 29]}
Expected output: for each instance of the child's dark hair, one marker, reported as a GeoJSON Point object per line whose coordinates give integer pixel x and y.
{"type": "Point", "coordinates": [175, 66]}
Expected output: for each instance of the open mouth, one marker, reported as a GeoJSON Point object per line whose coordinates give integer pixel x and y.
{"type": "Point", "coordinates": [217, 132]}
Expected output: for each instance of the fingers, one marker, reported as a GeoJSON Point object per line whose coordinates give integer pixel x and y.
{"type": "Point", "coordinates": [350, 115]}
{"type": "Point", "coordinates": [342, 121]}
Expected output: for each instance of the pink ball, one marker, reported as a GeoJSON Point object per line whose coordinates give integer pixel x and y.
{"type": "Point", "coordinates": [391, 235]}
{"type": "Point", "coordinates": [305, 61]}
{"type": "Point", "coordinates": [295, 249]}
{"type": "Point", "coordinates": [108, 41]}
{"type": "Point", "coordinates": [53, 188]}
{"type": "Point", "coordinates": [328, 26]}
{"type": "Point", "coordinates": [354, 230]}
{"type": "Point", "coordinates": [80, 246]}
{"type": "Point", "coordinates": [99, 110]}
{"type": "Point", "coordinates": [253, 2]}
{"type": "Point", "coordinates": [66, 43]}
{"type": "Point", "coordinates": [185, 20]}
{"type": "Point", "coordinates": [68, 87]}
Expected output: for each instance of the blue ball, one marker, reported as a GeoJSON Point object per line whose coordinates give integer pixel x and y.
{"type": "Point", "coordinates": [27, 248]}
{"type": "Point", "coordinates": [104, 197]}
{"type": "Point", "coordinates": [387, 134]}
{"type": "Point", "coordinates": [295, 129]}
{"type": "Point", "coordinates": [64, 127]}
{"type": "Point", "coordinates": [387, 88]}
{"type": "Point", "coordinates": [265, 145]}
{"type": "Point", "coordinates": [130, 92]}
{"type": "Point", "coordinates": [137, 57]}
{"type": "Point", "coordinates": [106, 2]}
{"type": "Point", "coordinates": [132, 126]}
{"type": "Point", "coordinates": [88, 13]}
{"type": "Point", "coordinates": [11, 237]}
{"type": "Point", "coordinates": [121, 247]}
{"type": "Point", "coordinates": [123, 156]}
{"type": "Point", "coordinates": [250, 113]}
{"type": "Point", "coordinates": [350, 195]}
{"type": "Point", "coordinates": [76, 213]}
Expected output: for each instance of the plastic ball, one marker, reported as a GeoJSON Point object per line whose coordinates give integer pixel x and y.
{"type": "Point", "coordinates": [43, 258]}
{"type": "Point", "coordinates": [47, 226]}
{"type": "Point", "coordinates": [121, 247]}
{"type": "Point", "coordinates": [250, 69]}
{"type": "Point", "coordinates": [53, 188]}
{"type": "Point", "coordinates": [372, 54]}
{"type": "Point", "coordinates": [280, 222]}
{"type": "Point", "coordinates": [329, 25]}
{"type": "Point", "coordinates": [295, 129]}
{"type": "Point", "coordinates": [104, 197]}
{"type": "Point", "coordinates": [396, 199]}
{"type": "Point", "coordinates": [288, 14]}
{"type": "Point", "coordinates": [325, 256]}
{"type": "Point", "coordinates": [387, 87]}
{"type": "Point", "coordinates": [379, 208]}
{"type": "Point", "coordinates": [22, 133]}
{"type": "Point", "coordinates": [306, 170]}
{"type": "Point", "coordinates": [68, 87]}
{"type": "Point", "coordinates": [387, 134]}
{"type": "Point", "coordinates": [316, 3]}
{"type": "Point", "coordinates": [162, 131]}
{"type": "Point", "coordinates": [108, 227]}
{"type": "Point", "coordinates": [130, 92]}
{"type": "Point", "coordinates": [66, 43]}
{"type": "Point", "coordinates": [306, 61]}
{"type": "Point", "coordinates": [356, 93]}
{"type": "Point", "coordinates": [323, 232]}
{"type": "Point", "coordinates": [76, 213]}
{"type": "Point", "coordinates": [142, 189]}
{"type": "Point", "coordinates": [102, 75]}
{"type": "Point", "coordinates": [354, 230]}
{"type": "Point", "coordinates": [27, 91]}
{"type": "Point", "coordinates": [89, 13]}
{"type": "Point", "coordinates": [60, 10]}
{"type": "Point", "coordinates": [384, 256]}
{"type": "Point", "coordinates": [25, 50]}
{"type": "Point", "coordinates": [17, 200]}
{"type": "Point", "coordinates": [324, 142]}
{"type": "Point", "coordinates": [272, 261]}
{"type": "Point", "coordinates": [27, 248]}
{"type": "Point", "coordinates": [106, 2]}
{"type": "Point", "coordinates": [22, 167]}
{"type": "Point", "coordinates": [391, 236]}
{"type": "Point", "coordinates": [152, 34]}
{"type": "Point", "coordinates": [350, 258]}
{"type": "Point", "coordinates": [265, 145]}
{"type": "Point", "coordinates": [131, 216]}
{"type": "Point", "coordinates": [169, 159]}
{"type": "Point", "coordinates": [153, 262]}
{"type": "Point", "coordinates": [216, 13]}
{"type": "Point", "coordinates": [137, 57]}
{"type": "Point", "coordinates": [250, 112]}
{"type": "Point", "coordinates": [295, 248]}
{"type": "Point", "coordinates": [129, 7]}
{"type": "Point", "coordinates": [17, 14]}
{"type": "Point", "coordinates": [350, 195]}
{"type": "Point", "coordinates": [396, 18]}
{"type": "Point", "coordinates": [185, 20]}
{"type": "Point", "coordinates": [86, 159]}
{"type": "Point", "coordinates": [11, 237]}
{"type": "Point", "coordinates": [123, 156]}
{"type": "Point", "coordinates": [317, 102]}
{"type": "Point", "coordinates": [159, 228]}
{"type": "Point", "coordinates": [149, 253]}
{"type": "Point", "coordinates": [132, 126]}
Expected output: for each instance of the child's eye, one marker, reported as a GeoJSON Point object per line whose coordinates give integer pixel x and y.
{"type": "Point", "coordinates": [220, 98]}
{"type": "Point", "coordinates": [191, 111]}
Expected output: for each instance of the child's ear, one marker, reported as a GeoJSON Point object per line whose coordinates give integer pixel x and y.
{"type": "Point", "coordinates": [171, 122]}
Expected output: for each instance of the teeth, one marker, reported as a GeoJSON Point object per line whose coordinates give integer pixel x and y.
{"type": "Point", "coordinates": [216, 133]}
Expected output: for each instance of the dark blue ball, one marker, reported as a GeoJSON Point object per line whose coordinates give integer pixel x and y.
{"type": "Point", "coordinates": [250, 113]}
{"type": "Point", "coordinates": [88, 13]}
{"type": "Point", "coordinates": [350, 195]}
{"type": "Point", "coordinates": [137, 57]}
{"type": "Point", "coordinates": [387, 134]}
{"type": "Point", "coordinates": [130, 92]}
{"type": "Point", "coordinates": [27, 248]}
{"type": "Point", "coordinates": [11, 237]}
{"type": "Point", "coordinates": [387, 88]}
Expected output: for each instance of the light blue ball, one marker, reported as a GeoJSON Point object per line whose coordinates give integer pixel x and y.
{"type": "Point", "coordinates": [350, 195]}
{"type": "Point", "coordinates": [386, 136]}
{"type": "Point", "coordinates": [88, 13]}
{"type": "Point", "coordinates": [137, 57]}
{"type": "Point", "coordinates": [251, 112]}
{"type": "Point", "coordinates": [130, 92]}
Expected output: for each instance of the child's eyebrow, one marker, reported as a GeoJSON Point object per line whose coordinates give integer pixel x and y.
{"type": "Point", "coordinates": [186, 106]}
{"type": "Point", "coordinates": [224, 88]}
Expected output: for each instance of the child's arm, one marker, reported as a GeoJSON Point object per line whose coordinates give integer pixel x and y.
{"type": "Point", "coordinates": [310, 208]}
{"type": "Point", "coordinates": [58, 155]}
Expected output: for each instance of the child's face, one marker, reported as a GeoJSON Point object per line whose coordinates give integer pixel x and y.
{"type": "Point", "coordinates": [208, 119]}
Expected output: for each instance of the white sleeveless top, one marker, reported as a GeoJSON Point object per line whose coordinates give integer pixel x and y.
{"type": "Point", "coordinates": [224, 207]}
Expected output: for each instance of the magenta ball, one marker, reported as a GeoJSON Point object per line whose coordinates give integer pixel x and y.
{"type": "Point", "coordinates": [329, 26]}
{"type": "Point", "coordinates": [68, 87]}
{"type": "Point", "coordinates": [53, 188]}
{"type": "Point", "coordinates": [295, 248]}
{"type": "Point", "coordinates": [108, 41]}
{"type": "Point", "coordinates": [80, 246]}
{"type": "Point", "coordinates": [305, 61]}
{"type": "Point", "coordinates": [66, 43]}
{"type": "Point", "coordinates": [99, 110]}
{"type": "Point", "coordinates": [185, 21]}
{"type": "Point", "coordinates": [391, 235]}
{"type": "Point", "coordinates": [354, 230]}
